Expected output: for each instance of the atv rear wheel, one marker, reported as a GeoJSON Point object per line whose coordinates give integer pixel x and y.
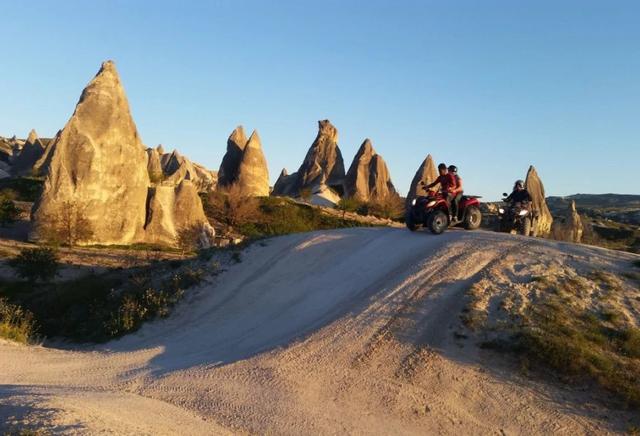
{"type": "Point", "coordinates": [438, 222]}
{"type": "Point", "coordinates": [472, 218]}
{"type": "Point", "coordinates": [410, 221]}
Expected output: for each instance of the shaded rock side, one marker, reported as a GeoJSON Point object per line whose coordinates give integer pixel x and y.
{"type": "Point", "coordinates": [28, 155]}
{"type": "Point", "coordinates": [285, 184]}
{"type": "Point", "coordinates": [368, 176]}
{"type": "Point", "coordinates": [253, 174]}
{"type": "Point", "coordinates": [426, 173]}
{"type": "Point", "coordinates": [533, 184]}
{"type": "Point", "coordinates": [154, 168]}
{"type": "Point", "coordinates": [174, 209]}
{"type": "Point", "coordinates": [99, 164]}
{"type": "Point", "coordinates": [41, 167]}
{"type": "Point", "coordinates": [228, 172]}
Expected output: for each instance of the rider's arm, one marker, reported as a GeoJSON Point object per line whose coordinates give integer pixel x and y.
{"type": "Point", "coordinates": [431, 185]}
{"type": "Point", "coordinates": [459, 187]}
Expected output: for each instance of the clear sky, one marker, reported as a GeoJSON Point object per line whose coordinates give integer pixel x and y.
{"type": "Point", "coordinates": [491, 86]}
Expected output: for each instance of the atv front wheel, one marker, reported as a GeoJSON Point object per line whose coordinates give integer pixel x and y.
{"type": "Point", "coordinates": [410, 221]}
{"type": "Point", "coordinates": [438, 222]}
{"type": "Point", "coordinates": [525, 227]}
{"type": "Point", "coordinates": [472, 218]}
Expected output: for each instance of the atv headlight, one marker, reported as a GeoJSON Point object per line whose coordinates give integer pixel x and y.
{"type": "Point", "coordinates": [431, 203]}
{"type": "Point", "coordinates": [501, 210]}
{"type": "Point", "coordinates": [413, 202]}
{"type": "Point", "coordinates": [523, 212]}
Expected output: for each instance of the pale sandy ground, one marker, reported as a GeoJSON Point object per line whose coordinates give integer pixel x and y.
{"type": "Point", "coordinates": [346, 331]}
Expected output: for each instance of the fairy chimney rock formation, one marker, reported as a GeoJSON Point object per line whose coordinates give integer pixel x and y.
{"type": "Point", "coordinates": [253, 174]}
{"type": "Point", "coordinates": [368, 176]}
{"type": "Point", "coordinates": [154, 168]}
{"type": "Point", "coordinates": [426, 173]}
{"type": "Point", "coordinates": [284, 184]}
{"type": "Point", "coordinates": [28, 155]}
{"type": "Point", "coordinates": [99, 164]}
{"type": "Point", "coordinates": [228, 172]}
{"type": "Point", "coordinates": [533, 184]}
{"type": "Point", "coordinates": [322, 166]}
{"type": "Point", "coordinates": [176, 209]}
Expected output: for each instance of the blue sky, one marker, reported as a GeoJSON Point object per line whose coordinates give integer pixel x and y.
{"type": "Point", "coordinates": [492, 86]}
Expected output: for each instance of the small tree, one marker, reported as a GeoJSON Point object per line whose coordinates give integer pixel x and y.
{"type": "Point", "coordinates": [188, 238]}
{"type": "Point", "coordinates": [36, 263]}
{"type": "Point", "coordinates": [389, 206]}
{"type": "Point", "coordinates": [70, 226]}
{"type": "Point", "coordinates": [232, 207]}
{"type": "Point", "coordinates": [9, 213]}
{"type": "Point", "coordinates": [347, 204]}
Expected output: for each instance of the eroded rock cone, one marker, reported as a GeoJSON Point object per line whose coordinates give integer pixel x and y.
{"type": "Point", "coordinates": [41, 167]}
{"type": "Point", "coordinates": [176, 212]}
{"type": "Point", "coordinates": [228, 172]}
{"type": "Point", "coordinates": [28, 155]}
{"type": "Point", "coordinates": [533, 184]}
{"type": "Point", "coordinates": [569, 227]}
{"type": "Point", "coordinates": [322, 167]}
{"type": "Point", "coordinates": [426, 173]}
{"type": "Point", "coordinates": [99, 164]}
{"type": "Point", "coordinates": [368, 176]}
{"type": "Point", "coordinates": [176, 168]}
{"type": "Point", "coordinates": [253, 174]}
{"type": "Point", "coordinates": [154, 168]}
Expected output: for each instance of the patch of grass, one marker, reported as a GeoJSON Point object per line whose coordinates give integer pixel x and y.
{"type": "Point", "coordinates": [281, 216]}
{"type": "Point", "coordinates": [99, 307]}
{"type": "Point", "coordinates": [578, 343]}
{"type": "Point", "coordinates": [16, 323]}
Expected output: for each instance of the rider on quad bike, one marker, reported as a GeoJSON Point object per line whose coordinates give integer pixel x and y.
{"type": "Point", "coordinates": [518, 214]}
{"type": "Point", "coordinates": [457, 194]}
{"type": "Point", "coordinates": [433, 210]}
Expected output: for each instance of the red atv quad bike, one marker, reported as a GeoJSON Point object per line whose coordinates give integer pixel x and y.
{"type": "Point", "coordinates": [432, 211]}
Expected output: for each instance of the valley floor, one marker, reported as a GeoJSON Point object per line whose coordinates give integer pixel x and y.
{"type": "Point", "coordinates": [344, 331]}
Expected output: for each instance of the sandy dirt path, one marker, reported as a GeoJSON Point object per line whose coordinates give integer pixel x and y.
{"type": "Point", "coordinates": [347, 331]}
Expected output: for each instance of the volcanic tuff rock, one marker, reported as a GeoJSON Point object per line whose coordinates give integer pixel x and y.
{"type": "Point", "coordinates": [176, 168]}
{"type": "Point", "coordinates": [244, 163]}
{"type": "Point", "coordinates": [98, 163]}
{"type": "Point", "coordinates": [533, 184]}
{"type": "Point", "coordinates": [323, 165]}
{"type": "Point", "coordinates": [154, 168]}
{"type": "Point", "coordinates": [253, 174]}
{"type": "Point", "coordinates": [228, 172]}
{"type": "Point", "coordinates": [569, 227]}
{"type": "Point", "coordinates": [368, 176]}
{"type": "Point", "coordinates": [173, 209]}
{"type": "Point", "coordinates": [284, 184]}
{"type": "Point", "coordinates": [28, 155]}
{"type": "Point", "coordinates": [426, 173]}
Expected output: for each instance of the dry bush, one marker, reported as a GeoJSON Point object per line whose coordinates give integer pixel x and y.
{"type": "Point", "coordinates": [232, 207]}
{"type": "Point", "coordinates": [389, 206]}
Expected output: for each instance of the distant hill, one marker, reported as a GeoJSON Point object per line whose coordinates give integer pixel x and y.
{"type": "Point", "coordinates": [600, 201]}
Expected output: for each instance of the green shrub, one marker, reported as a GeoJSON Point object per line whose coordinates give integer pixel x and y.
{"type": "Point", "coordinates": [16, 323]}
{"type": "Point", "coordinates": [25, 188]}
{"type": "Point", "coordinates": [36, 263]}
{"type": "Point", "coordinates": [9, 213]}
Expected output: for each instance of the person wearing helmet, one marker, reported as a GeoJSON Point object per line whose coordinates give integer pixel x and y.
{"type": "Point", "coordinates": [519, 193]}
{"type": "Point", "coordinates": [456, 192]}
{"type": "Point", "coordinates": [447, 181]}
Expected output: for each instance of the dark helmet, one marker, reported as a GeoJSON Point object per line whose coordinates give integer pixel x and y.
{"type": "Point", "coordinates": [453, 169]}
{"type": "Point", "coordinates": [519, 184]}
{"type": "Point", "coordinates": [442, 166]}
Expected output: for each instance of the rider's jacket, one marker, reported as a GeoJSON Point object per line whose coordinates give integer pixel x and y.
{"type": "Point", "coordinates": [447, 182]}
{"type": "Point", "coordinates": [518, 196]}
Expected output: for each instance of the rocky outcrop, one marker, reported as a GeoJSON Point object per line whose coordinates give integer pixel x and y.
{"type": "Point", "coordinates": [322, 167]}
{"type": "Point", "coordinates": [244, 164]}
{"type": "Point", "coordinates": [568, 227]}
{"type": "Point", "coordinates": [228, 172]}
{"type": "Point", "coordinates": [99, 164]}
{"type": "Point", "coordinates": [285, 183]}
{"type": "Point", "coordinates": [176, 168]}
{"type": "Point", "coordinates": [175, 212]}
{"type": "Point", "coordinates": [41, 167]}
{"type": "Point", "coordinates": [154, 168]}
{"type": "Point", "coordinates": [253, 174]}
{"type": "Point", "coordinates": [426, 173]}
{"type": "Point", "coordinates": [368, 177]}
{"type": "Point", "coordinates": [533, 184]}
{"type": "Point", "coordinates": [28, 155]}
